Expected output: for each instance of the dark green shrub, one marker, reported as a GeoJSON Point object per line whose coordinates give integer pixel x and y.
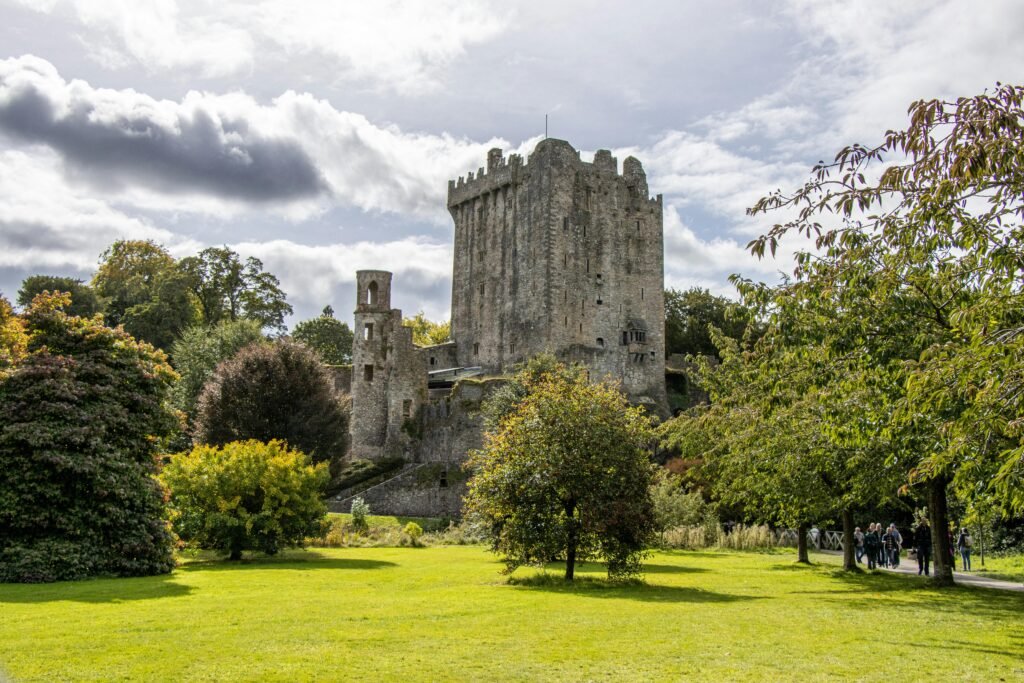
{"type": "Point", "coordinates": [245, 496]}
{"type": "Point", "coordinates": [274, 391]}
{"type": "Point", "coordinates": [80, 420]}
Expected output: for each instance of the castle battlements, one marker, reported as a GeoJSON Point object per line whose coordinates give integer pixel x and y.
{"type": "Point", "coordinates": [502, 172]}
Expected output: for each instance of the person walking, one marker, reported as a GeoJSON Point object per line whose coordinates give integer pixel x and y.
{"type": "Point", "coordinates": [898, 545]}
{"type": "Point", "coordinates": [923, 546]}
{"type": "Point", "coordinates": [963, 544]}
{"type": "Point", "coordinates": [888, 547]}
{"type": "Point", "coordinates": [871, 544]}
{"type": "Point", "coordinates": [858, 538]}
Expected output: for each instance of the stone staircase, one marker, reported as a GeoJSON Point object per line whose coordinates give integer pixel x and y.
{"type": "Point", "coordinates": [342, 501]}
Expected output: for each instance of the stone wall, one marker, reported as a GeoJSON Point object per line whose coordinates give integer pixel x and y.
{"type": "Point", "coordinates": [417, 492]}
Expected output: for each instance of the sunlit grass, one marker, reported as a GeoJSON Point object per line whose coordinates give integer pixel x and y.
{"type": "Point", "coordinates": [447, 613]}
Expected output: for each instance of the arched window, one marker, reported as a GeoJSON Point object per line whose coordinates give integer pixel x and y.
{"type": "Point", "coordinates": [371, 293]}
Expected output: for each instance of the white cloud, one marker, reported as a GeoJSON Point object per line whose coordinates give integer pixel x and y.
{"type": "Point", "coordinates": [48, 225]}
{"type": "Point", "coordinates": [388, 44]}
{"type": "Point", "coordinates": [314, 276]}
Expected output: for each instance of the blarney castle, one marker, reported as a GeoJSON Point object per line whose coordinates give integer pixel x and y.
{"type": "Point", "coordinates": [552, 253]}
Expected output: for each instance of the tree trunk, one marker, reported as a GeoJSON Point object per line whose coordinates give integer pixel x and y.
{"type": "Point", "coordinates": [801, 543]}
{"type": "Point", "coordinates": [849, 543]}
{"type": "Point", "coordinates": [938, 515]}
{"type": "Point", "coordinates": [235, 551]}
{"type": "Point", "coordinates": [572, 541]}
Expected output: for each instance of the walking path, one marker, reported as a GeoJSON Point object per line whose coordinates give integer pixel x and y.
{"type": "Point", "coordinates": [961, 578]}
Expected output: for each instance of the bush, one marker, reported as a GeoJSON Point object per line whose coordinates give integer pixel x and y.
{"type": "Point", "coordinates": [245, 496]}
{"type": "Point", "coordinates": [413, 531]}
{"type": "Point", "coordinates": [81, 416]}
{"type": "Point", "coordinates": [360, 511]}
{"type": "Point", "coordinates": [274, 391]}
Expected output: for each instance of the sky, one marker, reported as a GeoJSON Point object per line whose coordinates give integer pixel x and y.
{"type": "Point", "coordinates": [319, 136]}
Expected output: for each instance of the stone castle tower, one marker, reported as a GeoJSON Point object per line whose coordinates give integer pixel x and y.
{"type": "Point", "coordinates": [551, 254]}
{"type": "Point", "coordinates": [560, 255]}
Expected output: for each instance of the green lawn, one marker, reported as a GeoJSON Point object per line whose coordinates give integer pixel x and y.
{"type": "Point", "coordinates": [445, 613]}
{"type": "Point", "coordinates": [1007, 567]}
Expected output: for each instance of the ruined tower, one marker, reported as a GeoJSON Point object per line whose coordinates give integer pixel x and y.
{"type": "Point", "coordinates": [389, 384]}
{"type": "Point", "coordinates": [561, 255]}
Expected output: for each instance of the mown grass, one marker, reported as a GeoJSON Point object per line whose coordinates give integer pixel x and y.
{"type": "Point", "coordinates": [446, 613]}
{"type": "Point", "coordinates": [388, 521]}
{"type": "Point", "coordinates": [1006, 567]}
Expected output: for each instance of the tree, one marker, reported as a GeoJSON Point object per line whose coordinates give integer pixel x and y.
{"type": "Point", "coordinates": [274, 391]}
{"type": "Point", "coordinates": [245, 496]}
{"type": "Point", "coordinates": [84, 301]}
{"type": "Point", "coordinates": [330, 338]}
{"type": "Point", "coordinates": [81, 419]}
{"type": "Point", "coordinates": [144, 290]}
{"type": "Point", "coordinates": [13, 340]}
{"type": "Point", "coordinates": [689, 315]}
{"type": "Point", "coordinates": [228, 289]}
{"type": "Point", "coordinates": [938, 232]}
{"type": "Point", "coordinates": [200, 350]}
{"type": "Point", "coordinates": [427, 333]}
{"type": "Point", "coordinates": [567, 474]}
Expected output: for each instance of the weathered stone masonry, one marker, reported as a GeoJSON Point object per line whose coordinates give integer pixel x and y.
{"type": "Point", "coordinates": [552, 254]}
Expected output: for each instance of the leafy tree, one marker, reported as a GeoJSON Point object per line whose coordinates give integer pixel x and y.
{"type": "Point", "coordinates": [427, 333]}
{"type": "Point", "coordinates": [690, 314]}
{"type": "Point", "coordinates": [200, 350]}
{"type": "Point", "coordinates": [330, 338]}
{"type": "Point", "coordinates": [144, 290]}
{"type": "Point", "coordinates": [81, 417]}
{"type": "Point", "coordinates": [674, 506]}
{"type": "Point", "coordinates": [274, 391]}
{"type": "Point", "coordinates": [228, 289]}
{"type": "Point", "coordinates": [245, 495]}
{"type": "Point", "coordinates": [567, 474]}
{"type": "Point", "coordinates": [84, 301]}
{"type": "Point", "coordinates": [934, 234]}
{"type": "Point", "coordinates": [13, 340]}
{"type": "Point", "coordinates": [504, 401]}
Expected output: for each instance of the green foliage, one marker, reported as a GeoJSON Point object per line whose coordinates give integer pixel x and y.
{"type": "Point", "coordinates": [567, 474]}
{"type": "Point", "coordinates": [690, 314]}
{"type": "Point", "coordinates": [81, 416]}
{"type": "Point", "coordinates": [330, 338]}
{"type": "Point", "coordinates": [228, 289]}
{"type": "Point", "coordinates": [504, 400]}
{"type": "Point", "coordinates": [200, 350]}
{"type": "Point", "coordinates": [427, 333]}
{"type": "Point", "coordinates": [925, 269]}
{"type": "Point", "coordinates": [246, 495]}
{"type": "Point", "coordinates": [413, 531]}
{"type": "Point", "coordinates": [674, 506]}
{"type": "Point", "coordinates": [274, 391]}
{"type": "Point", "coordinates": [360, 511]}
{"type": "Point", "coordinates": [84, 301]}
{"type": "Point", "coordinates": [144, 290]}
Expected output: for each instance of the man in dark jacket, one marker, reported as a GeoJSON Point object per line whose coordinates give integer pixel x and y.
{"type": "Point", "coordinates": [923, 545]}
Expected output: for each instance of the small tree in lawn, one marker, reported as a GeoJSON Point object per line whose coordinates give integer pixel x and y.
{"type": "Point", "coordinates": [245, 496]}
{"type": "Point", "coordinates": [567, 474]}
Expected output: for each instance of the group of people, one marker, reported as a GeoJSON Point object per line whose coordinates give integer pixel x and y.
{"type": "Point", "coordinates": [882, 547]}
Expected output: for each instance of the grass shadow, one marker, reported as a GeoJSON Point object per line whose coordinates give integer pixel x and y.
{"type": "Point", "coordinates": [309, 562]}
{"type": "Point", "coordinates": [671, 569]}
{"type": "Point", "coordinates": [98, 590]}
{"type": "Point", "coordinates": [629, 589]}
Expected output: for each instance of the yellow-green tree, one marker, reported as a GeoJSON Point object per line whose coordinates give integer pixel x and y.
{"type": "Point", "coordinates": [426, 332]}
{"type": "Point", "coordinates": [246, 495]}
